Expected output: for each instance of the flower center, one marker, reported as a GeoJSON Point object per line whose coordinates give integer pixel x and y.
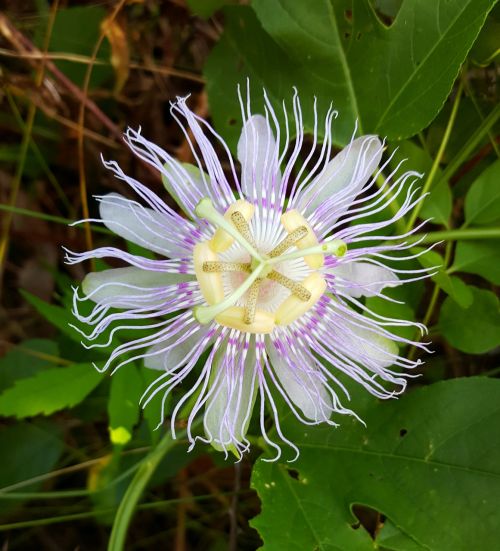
{"type": "Point", "coordinates": [254, 278]}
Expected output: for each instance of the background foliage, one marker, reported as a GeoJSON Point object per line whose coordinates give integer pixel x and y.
{"type": "Point", "coordinates": [424, 473]}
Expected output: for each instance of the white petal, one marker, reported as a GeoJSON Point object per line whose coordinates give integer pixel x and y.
{"type": "Point", "coordinates": [345, 174]}
{"type": "Point", "coordinates": [116, 287]}
{"type": "Point", "coordinates": [186, 185]}
{"type": "Point", "coordinates": [370, 344]}
{"type": "Point", "coordinates": [303, 385]}
{"type": "Point", "coordinates": [138, 224]}
{"type": "Point", "coordinates": [359, 279]}
{"type": "Point", "coordinates": [229, 408]}
{"type": "Point", "coordinates": [174, 351]}
{"type": "Point", "coordinates": [257, 154]}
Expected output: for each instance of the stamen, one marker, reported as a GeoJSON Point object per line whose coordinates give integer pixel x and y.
{"type": "Point", "coordinates": [336, 247]}
{"type": "Point", "coordinates": [292, 308]}
{"type": "Point", "coordinates": [292, 220]}
{"type": "Point", "coordinates": [205, 314]}
{"type": "Point", "coordinates": [221, 241]}
{"type": "Point", "coordinates": [242, 226]}
{"type": "Point", "coordinates": [251, 303]}
{"type": "Point", "coordinates": [212, 266]}
{"type": "Point", "coordinates": [289, 240]}
{"type": "Point", "coordinates": [211, 285]}
{"type": "Point", "coordinates": [297, 288]}
{"type": "Point", "coordinates": [205, 209]}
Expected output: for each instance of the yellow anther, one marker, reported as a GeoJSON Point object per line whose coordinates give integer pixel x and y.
{"type": "Point", "coordinates": [289, 240]}
{"type": "Point", "coordinates": [293, 307]}
{"type": "Point", "coordinates": [210, 266]}
{"type": "Point", "coordinates": [297, 288]}
{"type": "Point", "coordinates": [251, 302]}
{"type": "Point", "coordinates": [242, 226]}
{"type": "Point", "coordinates": [292, 220]}
{"type": "Point", "coordinates": [211, 285]}
{"type": "Point", "coordinates": [233, 318]}
{"type": "Point", "coordinates": [221, 241]}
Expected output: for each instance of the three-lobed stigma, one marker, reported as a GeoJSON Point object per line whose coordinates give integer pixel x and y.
{"type": "Point", "coordinates": [209, 269]}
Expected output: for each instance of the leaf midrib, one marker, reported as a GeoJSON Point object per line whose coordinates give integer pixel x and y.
{"type": "Point", "coordinates": [343, 60]}
{"type": "Point", "coordinates": [414, 459]}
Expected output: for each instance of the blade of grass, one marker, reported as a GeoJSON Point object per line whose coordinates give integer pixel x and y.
{"type": "Point", "coordinates": [24, 45]}
{"type": "Point", "coordinates": [30, 118]}
{"type": "Point", "coordinates": [96, 513]}
{"type": "Point", "coordinates": [50, 218]}
{"type": "Point", "coordinates": [39, 157]}
{"type": "Point", "coordinates": [81, 126]}
{"type": "Point", "coordinates": [76, 58]}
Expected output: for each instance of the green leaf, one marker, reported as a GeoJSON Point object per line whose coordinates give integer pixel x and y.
{"type": "Point", "coordinates": [451, 285]}
{"type": "Point", "coordinates": [340, 52]}
{"type": "Point", "coordinates": [474, 329]}
{"type": "Point", "coordinates": [437, 205]}
{"type": "Point", "coordinates": [482, 203]}
{"type": "Point", "coordinates": [28, 450]}
{"type": "Point", "coordinates": [25, 360]}
{"type": "Point", "coordinates": [50, 390]}
{"type": "Point", "coordinates": [479, 257]}
{"type": "Point", "coordinates": [123, 406]}
{"type": "Point", "coordinates": [421, 462]}
{"type": "Point", "coordinates": [56, 315]}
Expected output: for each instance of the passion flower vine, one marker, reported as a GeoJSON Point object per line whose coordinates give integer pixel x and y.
{"type": "Point", "coordinates": [262, 275]}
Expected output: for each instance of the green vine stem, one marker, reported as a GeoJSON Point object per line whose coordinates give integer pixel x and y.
{"type": "Point", "coordinates": [136, 488]}
{"type": "Point", "coordinates": [456, 235]}
{"type": "Point", "coordinates": [439, 156]}
{"type": "Point", "coordinates": [471, 143]}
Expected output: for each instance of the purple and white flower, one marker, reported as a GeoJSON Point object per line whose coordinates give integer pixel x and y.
{"type": "Point", "coordinates": [264, 270]}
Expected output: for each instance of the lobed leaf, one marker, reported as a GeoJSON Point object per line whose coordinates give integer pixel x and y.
{"type": "Point", "coordinates": [393, 80]}
{"type": "Point", "coordinates": [423, 462]}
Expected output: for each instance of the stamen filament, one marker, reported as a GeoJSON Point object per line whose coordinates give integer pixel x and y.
{"type": "Point", "coordinates": [335, 247]}
{"type": "Point", "coordinates": [205, 314]}
{"type": "Point", "coordinates": [214, 266]}
{"type": "Point", "coordinates": [297, 288]}
{"type": "Point", "coordinates": [289, 240]}
{"type": "Point", "coordinates": [205, 209]}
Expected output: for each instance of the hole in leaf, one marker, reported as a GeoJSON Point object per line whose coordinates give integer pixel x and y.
{"type": "Point", "coordinates": [293, 473]}
{"type": "Point", "coordinates": [231, 122]}
{"type": "Point", "coordinates": [402, 432]}
{"type": "Point", "coordinates": [358, 36]}
{"type": "Point", "coordinates": [370, 519]}
{"type": "Point", "coordinates": [347, 35]}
